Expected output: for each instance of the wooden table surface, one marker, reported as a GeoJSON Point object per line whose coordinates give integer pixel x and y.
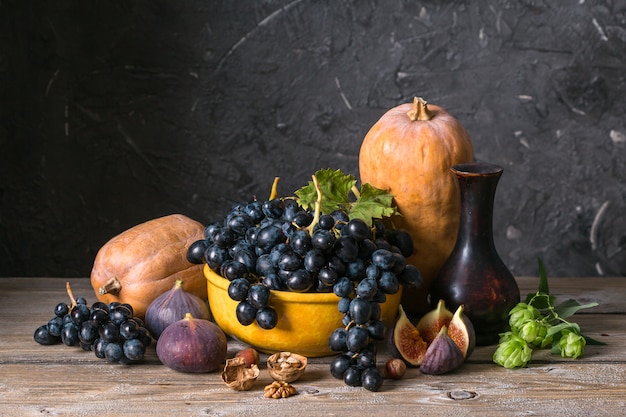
{"type": "Point", "coordinates": [63, 381]}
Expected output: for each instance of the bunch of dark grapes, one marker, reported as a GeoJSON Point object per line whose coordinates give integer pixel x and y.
{"type": "Point", "coordinates": [273, 245]}
{"type": "Point", "coordinates": [109, 330]}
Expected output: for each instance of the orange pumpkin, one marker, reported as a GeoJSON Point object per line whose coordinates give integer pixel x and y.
{"type": "Point", "coordinates": [146, 260]}
{"type": "Point", "coordinates": [409, 151]}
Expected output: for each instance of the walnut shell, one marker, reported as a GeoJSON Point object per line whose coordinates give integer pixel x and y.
{"type": "Point", "coordinates": [286, 366]}
{"type": "Point", "coordinates": [239, 377]}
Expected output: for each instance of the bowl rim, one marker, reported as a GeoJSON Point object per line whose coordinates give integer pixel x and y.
{"type": "Point", "coordinates": [287, 296]}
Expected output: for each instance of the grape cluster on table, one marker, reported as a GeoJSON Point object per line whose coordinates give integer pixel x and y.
{"type": "Point", "coordinates": [109, 330]}
{"type": "Point", "coordinates": [269, 245]}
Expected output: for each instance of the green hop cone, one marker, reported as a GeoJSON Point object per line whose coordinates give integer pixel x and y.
{"type": "Point", "coordinates": [521, 314]}
{"type": "Point", "coordinates": [535, 332]}
{"type": "Point", "coordinates": [571, 344]}
{"type": "Point", "coordinates": [512, 351]}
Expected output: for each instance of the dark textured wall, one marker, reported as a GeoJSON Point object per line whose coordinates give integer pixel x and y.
{"type": "Point", "coordinates": [116, 112]}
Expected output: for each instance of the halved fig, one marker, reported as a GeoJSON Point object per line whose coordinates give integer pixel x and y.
{"type": "Point", "coordinates": [442, 355]}
{"type": "Point", "coordinates": [461, 331]}
{"type": "Point", "coordinates": [431, 323]}
{"type": "Point", "coordinates": [407, 343]}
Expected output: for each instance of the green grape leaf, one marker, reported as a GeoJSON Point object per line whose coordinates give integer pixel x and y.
{"type": "Point", "coordinates": [339, 191]}
{"type": "Point", "coordinates": [335, 187]}
{"type": "Point", "coordinates": [569, 307]}
{"type": "Point", "coordinates": [373, 203]}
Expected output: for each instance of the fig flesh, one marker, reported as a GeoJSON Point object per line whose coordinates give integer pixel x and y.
{"type": "Point", "coordinates": [407, 342]}
{"type": "Point", "coordinates": [192, 345]}
{"type": "Point", "coordinates": [461, 331]}
{"type": "Point", "coordinates": [442, 355]}
{"type": "Point", "coordinates": [431, 323]}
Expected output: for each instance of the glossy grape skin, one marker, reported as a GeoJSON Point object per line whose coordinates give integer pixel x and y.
{"type": "Point", "coordinates": [401, 239]}
{"type": "Point", "coordinates": [339, 365]}
{"type": "Point", "coordinates": [346, 248]}
{"type": "Point", "coordinates": [358, 229]}
{"type": "Point", "coordinates": [343, 287]}
{"type": "Point", "coordinates": [323, 240]}
{"type": "Point", "coordinates": [376, 330]}
{"type": "Point", "coordinates": [80, 313]}
{"type": "Point", "coordinates": [133, 349]}
{"type": "Point", "coordinates": [355, 270]}
{"type": "Point", "coordinates": [290, 261]}
{"type": "Point", "coordinates": [266, 318]}
{"type": "Point", "coordinates": [352, 377]}
{"type": "Point", "coordinates": [43, 337]}
{"type": "Point", "coordinates": [215, 255]}
{"type": "Point", "coordinates": [89, 331]}
{"type": "Point", "coordinates": [273, 209]}
{"type": "Point", "coordinates": [314, 260]}
{"type": "Point", "coordinates": [254, 211]}
{"type": "Point", "coordinates": [54, 326]}
{"type": "Point", "coordinates": [372, 379]}
{"type": "Point", "coordinates": [113, 352]}
{"type": "Point", "coordinates": [367, 288]}
{"type": "Point", "coordinates": [129, 329]}
{"type": "Point", "coordinates": [99, 316]}
{"type": "Point", "coordinates": [109, 332]}
{"type": "Point", "coordinates": [273, 282]}
{"type": "Point", "coordinates": [366, 358]}
{"type": "Point", "coordinates": [231, 269]}
{"type": "Point", "coordinates": [98, 348]}
{"type": "Point", "coordinates": [337, 340]}
{"type": "Point", "coordinates": [259, 295]}
{"type": "Point", "coordinates": [388, 282]}
{"type": "Point", "coordinates": [300, 242]}
{"type": "Point", "coordinates": [340, 217]}
{"type": "Point", "coordinates": [360, 310]}
{"type": "Point", "coordinates": [69, 334]}
{"type": "Point", "coordinates": [357, 339]}
{"type": "Point", "coordinates": [195, 251]}
{"type": "Point", "coordinates": [411, 277]}
{"type": "Point", "coordinates": [300, 280]}
{"type": "Point", "coordinates": [326, 222]}
{"type": "Point", "coordinates": [246, 313]}
{"type": "Point", "coordinates": [238, 289]}
{"type": "Point", "coordinates": [270, 236]}
{"type": "Point", "coordinates": [383, 259]}
{"type": "Point", "coordinates": [327, 276]}
{"type": "Point", "coordinates": [239, 223]}
{"type": "Point", "coordinates": [61, 310]}
{"type": "Point", "coordinates": [344, 304]}
{"type": "Point", "coordinates": [120, 314]}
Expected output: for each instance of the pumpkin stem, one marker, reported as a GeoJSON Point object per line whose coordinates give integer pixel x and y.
{"type": "Point", "coordinates": [112, 286]}
{"type": "Point", "coordinates": [420, 110]}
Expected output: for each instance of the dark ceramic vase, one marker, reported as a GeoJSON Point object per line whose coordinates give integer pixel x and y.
{"type": "Point", "coordinates": [474, 275]}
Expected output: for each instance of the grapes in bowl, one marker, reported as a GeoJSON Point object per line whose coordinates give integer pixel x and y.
{"type": "Point", "coordinates": [284, 274]}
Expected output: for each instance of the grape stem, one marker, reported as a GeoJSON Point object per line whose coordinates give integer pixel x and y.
{"type": "Point", "coordinates": [318, 206]}
{"type": "Point", "coordinates": [71, 294]}
{"type": "Point", "coordinates": [274, 192]}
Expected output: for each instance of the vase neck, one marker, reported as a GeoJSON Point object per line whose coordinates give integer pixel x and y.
{"type": "Point", "coordinates": [477, 191]}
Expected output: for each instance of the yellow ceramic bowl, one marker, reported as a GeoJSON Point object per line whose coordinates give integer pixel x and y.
{"type": "Point", "coordinates": [305, 320]}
